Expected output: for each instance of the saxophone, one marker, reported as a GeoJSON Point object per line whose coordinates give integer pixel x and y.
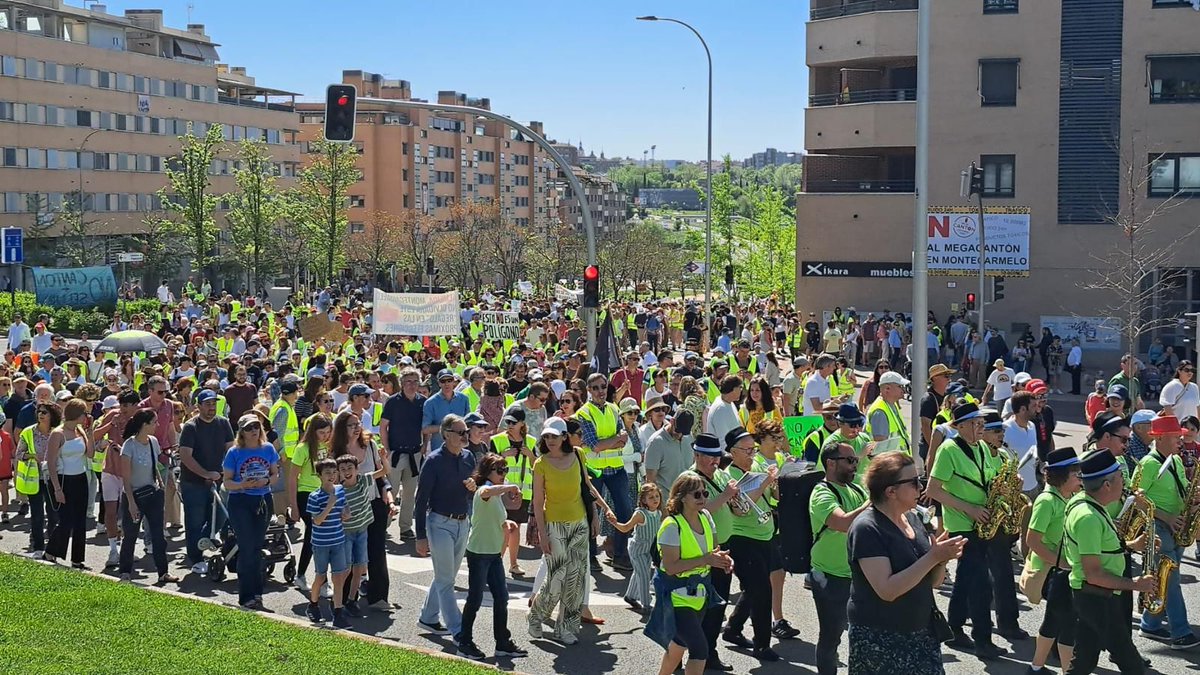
{"type": "Point", "coordinates": [1191, 514]}
{"type": "Point", "coordinates": [1005, 502]}
{"type": "Point", "coordinates": [1135, 520]}
{"type": "Point", "coordinates": [1135, 517]}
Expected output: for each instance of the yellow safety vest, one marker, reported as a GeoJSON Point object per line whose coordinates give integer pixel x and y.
{"type": "Point", "coordinates": [98, 456]}
{"type": "Point", "coordinates": [714, 392]}
{"type": "Point", "coordinates": [734, 368]}
{"type": "Point", "coordinates": [519, 463]}
{"type": "Point", "coordinates": [472, 398]}
{"type": "Point", "coordinates": [291, 434]}
{"type": "Point", "coordinates": [222, 406]}
{"type": "Point", "coordinates": [28, 473]}
{"type": "Point", "coordinates": [224, 347]}
{"type": "Point", "coordinates": [689, 549]}
{"type": "Point", "coordinates": [896, 426]}
{"type": "Point", "coordinates": [605, 423]}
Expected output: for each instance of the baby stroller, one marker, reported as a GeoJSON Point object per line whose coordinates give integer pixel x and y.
{"type": "Point", "coordinates": [1153, 383]}
{"type": "Point", "coordinates": [277, 547]}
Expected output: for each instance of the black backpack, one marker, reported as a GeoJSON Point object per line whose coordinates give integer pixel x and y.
{"type": "Point", "coordinates": [795, 525]}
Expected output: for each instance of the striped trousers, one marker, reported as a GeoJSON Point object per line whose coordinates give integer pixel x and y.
{"type": "Point", "coordinates": [566, 577]}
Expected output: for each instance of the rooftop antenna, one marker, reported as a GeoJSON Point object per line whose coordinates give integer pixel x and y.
{"type": "Point", "coordinates": [190, 7]}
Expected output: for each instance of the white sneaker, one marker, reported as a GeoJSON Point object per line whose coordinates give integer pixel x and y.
{"type": "Point", "coordinates": [36, 555]}
{"type": "Point", "coordinates": [114, 558]}
{"type": "Point", "coordinates": [326, 591]}
{"type": "Point", "coordinates": [535, 629]}
{"type": "Point", "coordinates": [200, 568]}
{"type": "Point", "coordinates": [303, 584]}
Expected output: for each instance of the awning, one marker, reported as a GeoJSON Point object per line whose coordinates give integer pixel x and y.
{"type": "Point", "coordinates": [209, 53]}
{"type": "Point", "coordinates": [188, 50]}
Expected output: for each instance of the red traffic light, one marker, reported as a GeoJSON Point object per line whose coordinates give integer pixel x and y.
{"type": "Point", "coordinates": [970, 297]}
{"type": "Point", "coordinates": [591, 273]}
{"type": "Point", "coordinates": [343, 99]}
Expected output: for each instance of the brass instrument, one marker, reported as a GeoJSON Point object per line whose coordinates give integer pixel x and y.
{"type": "Point", "coordinates": [1191, 514]}
{"type": "Point", "coordinates": [1135, 520]}
{"type": "Point", "coordinates": [744, 504]}
{"type": "Point", "coordinates": [1006, 502]}
{"type": "Point", "coordinates": [1138, 512]}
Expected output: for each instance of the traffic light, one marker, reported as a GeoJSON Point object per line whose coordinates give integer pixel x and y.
{"type": "Point", "coordinates": [591, 287]}
{"type": "Point", "coordinates": [970, 301]}
{"type": "Point", "coordinates": [976, 180]}
{"type": "Point", "coordinates": [430, 270]}
{"type": "Point", "coordinates": [997, 288]}
{"type": "Point", "coordinates": [340, 102]}
{"type": "Point", "coordinates": [729, 276]}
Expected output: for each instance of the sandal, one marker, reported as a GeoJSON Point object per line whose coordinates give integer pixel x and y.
{"type": "Point", "coordinates": [517, 572]}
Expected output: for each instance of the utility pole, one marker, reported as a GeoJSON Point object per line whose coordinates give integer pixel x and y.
{"type": "Point", "coordinates": [920, 306]}
{"type": "Point", "coordinates": [973, 182]}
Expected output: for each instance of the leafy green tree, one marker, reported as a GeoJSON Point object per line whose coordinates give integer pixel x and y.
{"type": "Point", "coordinates": [322, 192]}
{"type": "Point", "coordinates": [159, 240]}
{"type": "Point", "coordinates": [79, 242]}
{"type": "Point", "coordinates": [188, 197]}
{"type": "Point", "coordinates": [254, 211]}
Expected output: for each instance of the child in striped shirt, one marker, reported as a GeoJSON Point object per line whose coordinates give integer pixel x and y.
{"type": "Point", "coordinates": [329, 513]}
{"type": "Point", "coordinates": [358, 502]}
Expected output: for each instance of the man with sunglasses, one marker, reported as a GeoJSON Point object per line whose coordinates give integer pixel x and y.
{"type": "Point", "coordinates": [833, 505]}
{"type": "Point", "coordinates": [604, 437]}
{"type": "Point", "coordinates": [959, 479]}
{"type": "Point", "coordinates": [851, 430]}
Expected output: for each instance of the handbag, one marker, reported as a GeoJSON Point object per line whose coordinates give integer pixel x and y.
{"type": "Point", "coordinates": [939, 626]}
{"type": "Point", "coordinates": [1032, 583]}
{"type": "Point", "coordinates": [589, 499]}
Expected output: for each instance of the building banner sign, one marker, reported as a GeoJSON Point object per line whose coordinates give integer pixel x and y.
{"type": "Point", "coordinates": [416, 313]}
{"type": "Point", "coordinates": [954, 241]}
{"type": "Point", "coordinates": [500, 326]}
{"type": "Point", "coordinates": [872, 270]}
{"type": "Point", "coordinates": [81, 287]}
{"type": "Point", "coordinates": [1094, 332]}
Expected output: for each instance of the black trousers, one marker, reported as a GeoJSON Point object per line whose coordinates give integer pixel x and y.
{"type": "Point", "coordinates": [971, 595]}
{"type": "Point", "coordinates": [752, 565]}
{"type": "Point", "coordinates": [714, 616]}
{"type": "Point", "coordinates": [306, 543]}
{"type": "Point", "coordinates": [43, 515]}
{"type": "Point", "coordinates": [1076, 373]}
{"type": "Point", "coordinates": [1003, 585]}
{"type": "Point", "coordinates": [377, 569]}
{"type": "Point", "coordinates": [1103, 625]}
{"type": "Point", "coordinates": [72, 518]}
{"type": "Point", "coordinates": [830, 596]}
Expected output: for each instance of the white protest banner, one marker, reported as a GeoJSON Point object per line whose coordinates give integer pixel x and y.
{"type": "Point", "coordinates": [525, 287]}
{"type": "Point", "coordinates": [564, 294]}
{"type": "Point", "coordinates": [416, 314]}
{"type": "Point", "coordinates": [514, 305]}
{"type": "Point", "coordinates": [954, 241]}
{"type": "Point", "coordinates": [500, 326]}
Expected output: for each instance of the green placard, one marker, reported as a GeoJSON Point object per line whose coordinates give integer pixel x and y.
{"type": "Point", "coordinates": [796, 428]}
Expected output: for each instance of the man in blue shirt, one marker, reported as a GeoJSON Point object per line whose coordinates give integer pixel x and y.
{"type": "Point", "coordinates": [443, 499]}
{"type": "Point", "coordinates": [437, 407]}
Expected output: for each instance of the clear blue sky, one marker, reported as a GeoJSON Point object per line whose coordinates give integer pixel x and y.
{"type": "Point", "coordinates": [587, 70]}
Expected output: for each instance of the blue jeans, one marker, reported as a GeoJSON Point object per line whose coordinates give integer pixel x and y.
{"type": "Point", "coordinates": [615, 485]}
{"type": "Point", "coordinates": [197, 516]}
{"type": "Point", "coordinates": [447, 539]}
{"type": "Point", "coordinates": [1177, 619]}
{"type": "Point", "coordinates": [485, 569]}
{"type": "Point", "coordinates": [248, 515]}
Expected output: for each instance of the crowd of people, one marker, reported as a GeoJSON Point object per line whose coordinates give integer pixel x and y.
{"type": "Point", "coordinates": [674, 469]}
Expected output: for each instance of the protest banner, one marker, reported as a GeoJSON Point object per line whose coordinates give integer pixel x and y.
{"type": "Point", "coordinates": [415, 313]}
{"type": "Point", "coordinates": [500, 326]}
{"type": "Point", "coordinates": [319, 327]}
{"type": "Point", "coordinates": [82, 287]}
{"type": "Point", "coordinates": [796, 428]}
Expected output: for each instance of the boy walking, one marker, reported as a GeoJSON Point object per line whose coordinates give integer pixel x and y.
{"type": "Point", "coordinates": [358, 501]}
{"type": "Point", "coordinates": [328, 509]}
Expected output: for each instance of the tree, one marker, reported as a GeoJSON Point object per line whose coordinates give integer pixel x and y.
{"type": "Point", "coordinates": [506, 243]}
{"type": "Point", "coordinates": [39, 245]}
{"type": "Point", "coordinates": [293, 234]}
{"type": "Point", "coordinates": [418, 233]}
{"type": "Point", "coordinates": [159, 240]}
{"type": "Point", "coordinates": [457, 250]}
{"type": "Point", "coordinates": [723, 206]}
{"type": "Point", "coordinates": [79, 242]}
{"type": "Point", "coordinates": [254, 210]}
{"type": "Point", "coordinates": [1139, 266]}
{"type": "Point", "coordinates": [379, 245]}
{"type": "Point", "coordinates": [322, 191]}
{"type": "Point", "coordinates": [187, 195]}
{"type": "Point", "coordinates": [559, 256]}
{"type": "Point", "coordinates": [768, 263]}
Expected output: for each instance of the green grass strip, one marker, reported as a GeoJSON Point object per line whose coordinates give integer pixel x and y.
{"type": "Point", "coordinates": [54, 620]}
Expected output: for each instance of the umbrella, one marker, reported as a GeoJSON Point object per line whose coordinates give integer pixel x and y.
{"type": "Point", "coordinates": [124, 341]}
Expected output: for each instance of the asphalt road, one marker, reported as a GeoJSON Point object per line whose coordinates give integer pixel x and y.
{"type": "Point", "coordinates": [618, 646]}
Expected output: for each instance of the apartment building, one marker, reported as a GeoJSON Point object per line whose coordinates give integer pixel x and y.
{"type": "Point", "coordinates": [426, 160]}
{"type": "Point", "coordinates": [94, 102]}
{"type": "Point", "coordinates": [772, 157]}
{"type": "Point", "coordinates": [1080, 112]}
{"type": "Point", "coordinates": [606, 202]}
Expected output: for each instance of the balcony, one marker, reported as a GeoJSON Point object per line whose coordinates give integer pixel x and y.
{"type": "Point", "coordinates": [831, 9]}
{"type": "Point", "coordinates": [884, 172]}
{"type": "Point", "coordinates": [1174, 79]}
{"type": "Point", "coordinates": [837, 186]}
{"type": "Point", "coordinates": [870, 36]}
{"type": "Point", "coordinates": [868, 96]}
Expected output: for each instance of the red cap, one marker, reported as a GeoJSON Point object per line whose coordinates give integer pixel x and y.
{"type": "Point", "coordinates": [1166, 424]}
{"type": "Point", "coordinates": [1036, 387]}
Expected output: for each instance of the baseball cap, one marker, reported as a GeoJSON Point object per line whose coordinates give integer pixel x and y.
{"type": "Point", "coordinates": [64, 395]}
{"type": "Point", "coordinates": [109, 403]}
{"type": "Point", "coordinates": [475, 420]}
{"type": "Point", "coordinates": [204, 396]}
{"type": "Point", "coordinates": [555, 426]}
{"type": "Point", "coordinates": [1142, 417]}
{"type": "Point", "coordinates": [286, 387]}
{"type": "Point", "coordinates": [445, 374]}
{"type": "Point", "coordinates": [892, 377]}
{"type": "Point", "coordinates": [513, 416]}
{"type": "Point", "coordinates": [359, 389]}
{"type": "Point", "coordinates": [1022, 378]}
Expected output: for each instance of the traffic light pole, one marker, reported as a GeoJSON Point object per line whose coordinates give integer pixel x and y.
{"type": "Point", "coordinates": [590, 315]}
{"type": "Point", "coordinates": [982, 264]}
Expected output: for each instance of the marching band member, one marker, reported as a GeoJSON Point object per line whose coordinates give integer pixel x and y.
{"type": "Point", "coordinates": [1045, 537]}
{"type": "Point", "coordinates": [1004, 588]}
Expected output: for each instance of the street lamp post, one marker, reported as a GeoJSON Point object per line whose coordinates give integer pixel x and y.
{"type": "Point", "coordinates": [708, 173]}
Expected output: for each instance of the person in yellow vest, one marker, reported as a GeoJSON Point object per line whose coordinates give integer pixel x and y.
{"type": "Point", "coordinates": [283, 418]}
{"type": "Point", "coordinates": [810, 447]}
{"type": "Point", "coordinates": [604, 438]}
{"type": "Point", "coordinates": [225, 344]}
{"type": "Point", "coordinates": [720, 368]}
{"type": "Point", "coordinates": [884, 419]}
{"type": "Point", "coordinates": [684, 591]}
{"type": "Point", "coordinates": [516, 446]}
{"type": "Point", "coordinates": [742, 363]}
{"type": "Point", "coordinates": [359, 402]}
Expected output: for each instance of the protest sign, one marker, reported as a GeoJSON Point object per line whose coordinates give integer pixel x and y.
{"type": "Point", "coordinates": [83, 287]}
{"type": "Point", "coordinates": [415, 313]}
{"type": "Point", "coordinates": [796, 428]}
{"type": "Point", "coordinates": [319, 327]}
{"type": "Point", "coordinates": [500, 326]}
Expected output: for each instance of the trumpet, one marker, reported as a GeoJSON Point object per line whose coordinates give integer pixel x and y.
{"type": "Point", "coordinates": [744, 504]}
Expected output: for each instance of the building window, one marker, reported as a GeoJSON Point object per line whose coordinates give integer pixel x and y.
{"type": "Point", "coordinates": [1172, 3]}
{"type": "Point", "coordinates": [1175, 79]}
{"type": "Point", "coordinates": [999, 6]}
{"type": "Point", "coordinates": [999, 175]}
{"type": "Point", "coordinates": [999, 80]}
{"type": "Point", "coordinates": [1172, 175]}
{"type": "Point", "coordinates": [357, 228]}
{"type": "Point", "coordinates": [357, 201]}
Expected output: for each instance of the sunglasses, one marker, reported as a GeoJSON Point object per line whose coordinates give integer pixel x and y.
{"type": "Point", "coordinates": [252, 427]}
{"type": "Point", "coordinates": [502, 471]}
{"type": "Point", "coordinates": [598, 388]}
{"type": "Point", "coordinates": [460, 432]}
{"type": "Point", "coordinates": [849, 460]}
{"type": "Point", "coordinates": [700, 494]}
{"type": "Point", "coordinates": [854, 425]}
{"type": "Point", "coordinates": [914, 481]}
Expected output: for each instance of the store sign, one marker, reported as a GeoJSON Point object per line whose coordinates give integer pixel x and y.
{"type": "Point", "coordinates": [879, 270]}
{"type": "Point", "coordinates": [954, 241]}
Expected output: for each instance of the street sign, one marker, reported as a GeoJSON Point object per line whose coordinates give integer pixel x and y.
{"type": "Point", "coordinates": [14, 246]}
{"type": "Point", "coordinates": [130, 257]}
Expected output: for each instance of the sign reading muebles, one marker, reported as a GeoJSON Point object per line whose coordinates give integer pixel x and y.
{"type": "Point", "coordinates": [877, 270]}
